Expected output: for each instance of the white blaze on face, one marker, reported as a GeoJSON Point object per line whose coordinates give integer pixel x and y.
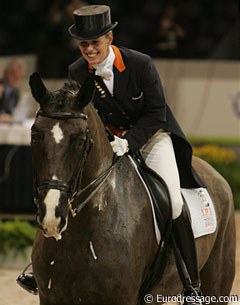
{"type": "Point", "coordinates": [57, 133]}
{"type": "Point", "coordinates": [50, 221]}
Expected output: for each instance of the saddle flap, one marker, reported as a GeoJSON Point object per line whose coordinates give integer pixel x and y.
{"type": "Point", "coordinates": [157, 191]}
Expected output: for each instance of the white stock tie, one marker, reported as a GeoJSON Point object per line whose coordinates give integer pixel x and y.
{"type": "Point", "coordinates": [105, 72]}
{"type": "Point", "coordinates": [105, 68]}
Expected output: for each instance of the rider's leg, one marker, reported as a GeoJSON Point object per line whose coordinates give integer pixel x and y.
{"type": "Point", "coordinates": [184, 243]}
{"type": "Point", "coordinates": [159, 155]}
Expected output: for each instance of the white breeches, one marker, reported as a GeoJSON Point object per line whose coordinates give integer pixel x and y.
{"type": "Point", "coordinates": [159, 155]}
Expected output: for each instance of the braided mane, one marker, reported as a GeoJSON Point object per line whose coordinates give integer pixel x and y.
{"type": "Point", "coordinates": [67, 94]}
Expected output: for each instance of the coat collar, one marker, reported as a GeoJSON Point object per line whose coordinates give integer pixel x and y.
{"type": "Point", "coordinates": [118, 61]}
{"type": "Point", "coordinates": [121, 74]}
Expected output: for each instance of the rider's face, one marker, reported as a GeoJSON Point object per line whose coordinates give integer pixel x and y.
{"type": "Point", "coordinates": [95, 51]}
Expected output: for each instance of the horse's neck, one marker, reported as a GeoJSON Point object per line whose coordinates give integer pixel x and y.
{"type": "Point", "coordinates": [101, 154]}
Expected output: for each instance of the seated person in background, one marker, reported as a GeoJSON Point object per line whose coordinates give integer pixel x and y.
{"type": "Point", "coordinates": [9, 90]}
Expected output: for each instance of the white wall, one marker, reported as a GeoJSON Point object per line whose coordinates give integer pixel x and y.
{"type": "Point", "coordinates": [201, 95]}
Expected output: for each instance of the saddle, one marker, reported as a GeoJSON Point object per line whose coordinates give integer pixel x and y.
{"type": "Point", "coordinates": [157, 190]}
{"type": "Point", "coordinates": [160, 198]}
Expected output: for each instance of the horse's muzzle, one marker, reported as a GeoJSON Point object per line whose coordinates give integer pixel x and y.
{"type": "Point", "coordinates": [53, 228]}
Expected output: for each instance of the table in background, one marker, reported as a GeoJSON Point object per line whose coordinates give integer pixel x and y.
{"type": "Point", "coordinates": [16, 192]}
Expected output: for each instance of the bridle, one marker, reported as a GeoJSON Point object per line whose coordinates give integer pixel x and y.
{"type": "Point", "coordinates": [73, 188]}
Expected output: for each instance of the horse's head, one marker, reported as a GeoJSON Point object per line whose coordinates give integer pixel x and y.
{"type": "Point", "coordinates": [60, 143]}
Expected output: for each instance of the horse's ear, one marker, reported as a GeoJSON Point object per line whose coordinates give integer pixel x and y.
{"type": "Point", "coordinates": [86, 93]}
{"type": "Point", "coordinates": [37, 87]}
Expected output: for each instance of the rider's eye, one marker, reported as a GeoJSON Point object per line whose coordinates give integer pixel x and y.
{"type": "Point", "coordinates": [83, 44]}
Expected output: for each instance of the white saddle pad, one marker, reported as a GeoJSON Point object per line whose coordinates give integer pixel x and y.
{"type": "Point", "coordinates": [200, 205]}
{"type": "Point", "coordinates": [202, 211]}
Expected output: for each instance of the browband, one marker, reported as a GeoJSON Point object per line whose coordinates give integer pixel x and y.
{"type": "Point", "coordinates": [63, 115]}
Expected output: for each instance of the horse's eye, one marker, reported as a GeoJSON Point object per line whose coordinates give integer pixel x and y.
{"type": "Point", "coordinates": [37, 136]}
{"type": "Point", "coordinates": [77, 139]}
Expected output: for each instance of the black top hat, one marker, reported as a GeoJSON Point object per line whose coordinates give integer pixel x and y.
{"type": "Point", "coordinates": [91, 22]}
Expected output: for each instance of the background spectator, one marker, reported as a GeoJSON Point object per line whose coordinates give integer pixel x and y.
{"type": "Point", "coordinates": [10, 90]}
{"type": "Point", "coordinates": [172, 29]}
{"type": "Point", "coordinates": [57, 49]}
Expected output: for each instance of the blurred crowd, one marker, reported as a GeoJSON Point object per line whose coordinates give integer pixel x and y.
{"type": "Point", "coordinates": [9, 90]}
{"type": "Point", "coordinates": [16, 104]}
{"type": "Point", "coordinates": [166, 29]}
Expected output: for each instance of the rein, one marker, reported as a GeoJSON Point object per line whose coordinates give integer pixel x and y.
{"type": "Point", "coordinates": [74, 190]}
{"type": "Point", "coordinates": [97, 182]}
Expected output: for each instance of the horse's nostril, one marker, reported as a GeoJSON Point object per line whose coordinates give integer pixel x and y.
{"type": "Point", "coordinates": [62, 223]}
{"type": "Point", "coordinates": [38, 222]}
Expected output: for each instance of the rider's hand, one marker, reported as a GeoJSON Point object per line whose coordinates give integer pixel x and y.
{"type": "Point", "coordinates": [119, 146]}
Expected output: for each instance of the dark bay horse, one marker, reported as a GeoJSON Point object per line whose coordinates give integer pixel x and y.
{"type": "Point", "coordinates": [102, 253]}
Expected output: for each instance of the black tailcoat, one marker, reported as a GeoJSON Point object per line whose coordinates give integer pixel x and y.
{"type": "Point", "coordinates": [138, 105]}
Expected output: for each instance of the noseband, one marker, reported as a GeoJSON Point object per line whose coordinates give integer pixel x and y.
{"type": "Point", "coordinates": [73, 190]}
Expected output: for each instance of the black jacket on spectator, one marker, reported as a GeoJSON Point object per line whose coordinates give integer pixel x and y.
{"type": "Point", "coordinates": [9, 99]}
